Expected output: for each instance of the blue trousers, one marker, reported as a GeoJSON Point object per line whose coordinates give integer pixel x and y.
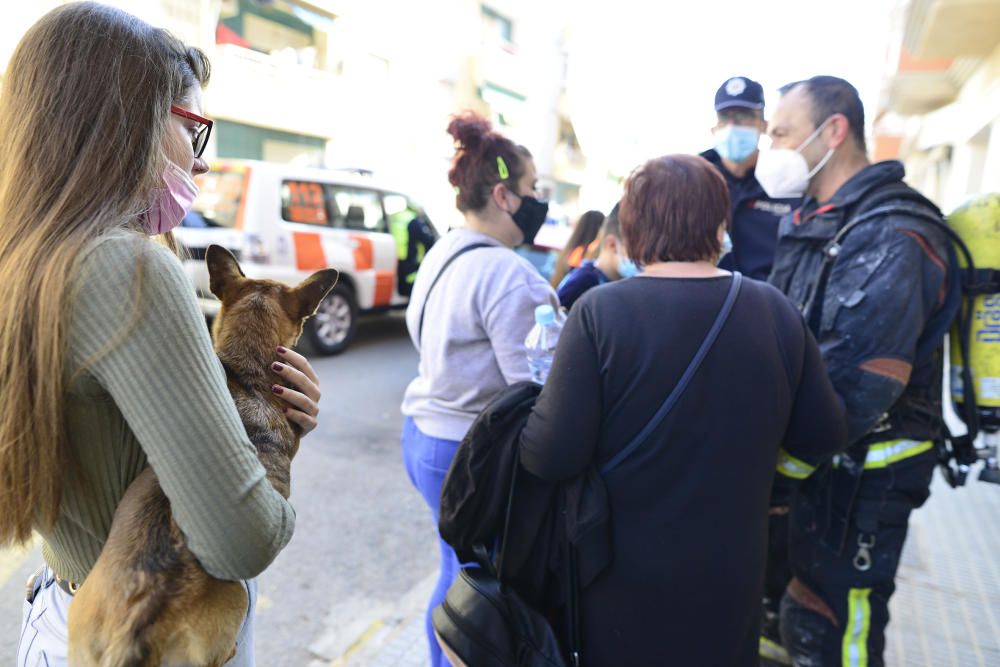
{"type": "Point", "coordinates": [427, 460]}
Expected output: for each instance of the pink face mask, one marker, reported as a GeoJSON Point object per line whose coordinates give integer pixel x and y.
{"type": "Point", "coordinates": [171, 203]}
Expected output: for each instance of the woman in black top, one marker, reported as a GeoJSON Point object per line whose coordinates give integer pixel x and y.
{"type": "Point", "coordinates": [689, 507]}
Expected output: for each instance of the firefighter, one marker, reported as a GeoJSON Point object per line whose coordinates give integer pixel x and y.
{"type": "Point", "coordinates": [876, 280]}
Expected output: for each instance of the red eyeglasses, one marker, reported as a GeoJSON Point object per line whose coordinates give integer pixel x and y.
{"type": "Point", "coordinates": [200, 139]}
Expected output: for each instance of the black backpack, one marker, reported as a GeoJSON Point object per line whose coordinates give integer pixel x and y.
{"type": "Point", "coordinates": [483, 622]}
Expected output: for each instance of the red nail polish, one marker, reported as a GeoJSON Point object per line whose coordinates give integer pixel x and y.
{"type": "Point", "coordinates": [276, 367]}
{"type": "Point", "coordinates": [285, 410]}
{"type": "Point", "coordinates": [281, 350]}
{"type": "Point", "coordinates": [276, 389]}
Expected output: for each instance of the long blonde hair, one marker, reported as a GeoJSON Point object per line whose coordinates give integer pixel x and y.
{"type": "Point", "coordinates": [84, 112]}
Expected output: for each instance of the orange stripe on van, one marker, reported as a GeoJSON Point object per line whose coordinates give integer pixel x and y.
{"type": "Point", "coordinates": [364, 253]}
{"type": "Point", "coordinates": [309, 254]}
{"type": "Point", "coordinates": [385, 283]}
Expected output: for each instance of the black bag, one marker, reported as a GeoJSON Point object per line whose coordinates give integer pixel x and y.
{"type": "Point", "coordinates": [483, 623]}
{"type": "Point", "coordinates": [476, 489]}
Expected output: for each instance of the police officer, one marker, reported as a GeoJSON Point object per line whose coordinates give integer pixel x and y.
{"type": "Point", "coordinates": [739, 108]}
{"type": "Point", "coordinates": [876, 280]}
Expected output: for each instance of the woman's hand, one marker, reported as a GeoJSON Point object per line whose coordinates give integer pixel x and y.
{"type": "Point", "coordinates": [301, 390]}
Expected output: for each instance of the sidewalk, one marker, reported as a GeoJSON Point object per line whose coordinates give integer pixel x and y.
{"type": "Point", "coordinates": [946, 611]}
{"type": "Point", "coordinates": [383, 637]}
{"type": "Point", "coordinates": [405, 645]}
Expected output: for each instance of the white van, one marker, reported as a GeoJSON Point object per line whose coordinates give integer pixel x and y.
{"type": "Point", "coordinates": [284, 222]}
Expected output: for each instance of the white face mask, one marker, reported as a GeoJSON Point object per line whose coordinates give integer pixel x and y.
{"type": "Point", "coordinates": [784, 173]}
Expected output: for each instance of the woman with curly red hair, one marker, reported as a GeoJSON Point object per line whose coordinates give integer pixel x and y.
{"type": "Point", "coordinates": [472, 306]}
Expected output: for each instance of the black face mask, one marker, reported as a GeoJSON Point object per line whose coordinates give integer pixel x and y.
{"type": "Point", "coordinates": [530, 216]}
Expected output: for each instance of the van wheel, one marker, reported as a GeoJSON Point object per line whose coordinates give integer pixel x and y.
{"type": "Point", "coordinates": [332, 328]}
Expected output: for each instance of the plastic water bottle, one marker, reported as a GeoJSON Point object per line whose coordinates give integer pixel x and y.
{"type": "Point", "coordinates": [541, 342]}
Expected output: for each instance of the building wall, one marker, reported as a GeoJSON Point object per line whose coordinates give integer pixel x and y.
{"type": "Point", "coordinates": [375, 85]}
{"type": "Point", "coordinates": [953, 152]}
{"type": "Point", "coordinates": [250, 142]}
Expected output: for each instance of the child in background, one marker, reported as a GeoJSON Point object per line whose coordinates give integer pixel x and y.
{"type": "Point", "coordinates": [611, 264]}
{"type": "Point", "coordinates": [581, 244]}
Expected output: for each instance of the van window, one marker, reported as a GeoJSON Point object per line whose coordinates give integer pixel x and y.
{"type": "Point", "coordinates": [400, 212]}
{"type": "Point", "coordinates": [218, 201]}
{"type": "Point", "coordinates": [399, 209]}
{"type": "Point", "coordinates": [302, 201]}
{"type": "Point", "coordinates": [357, 209]}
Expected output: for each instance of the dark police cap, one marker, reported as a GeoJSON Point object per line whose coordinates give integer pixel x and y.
{"type": "Point", "coordinates": [739, 91]}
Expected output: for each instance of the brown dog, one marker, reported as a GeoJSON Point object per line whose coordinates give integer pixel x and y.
{"type": "Point", "coordinates": [147, 601]}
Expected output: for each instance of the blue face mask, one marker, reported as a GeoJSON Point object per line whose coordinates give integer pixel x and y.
{"type": "Point", "coordinates": [627, 268]}
{"type": "Point", "coordinates": [727, 243]}
{"type": "Point", "coordinates": [736, 143]}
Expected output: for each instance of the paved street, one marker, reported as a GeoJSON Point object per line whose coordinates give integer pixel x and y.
{"type": "Point", "coordinates": [350, 588]}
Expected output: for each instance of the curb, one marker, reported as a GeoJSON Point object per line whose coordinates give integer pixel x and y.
{"type": "Point", "coordinates": [363, 637]}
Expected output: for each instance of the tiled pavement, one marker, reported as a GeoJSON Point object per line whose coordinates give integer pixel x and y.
{"type": "Point", "coordinates": [392, 637]}
{"type": "Point", "coordinates": [946, 611]}
{"type": "Point", "coordinates": [405, 645]}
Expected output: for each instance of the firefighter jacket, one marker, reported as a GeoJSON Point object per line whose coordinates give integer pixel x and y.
{"type": "Point", "coordinates": [890, 293]}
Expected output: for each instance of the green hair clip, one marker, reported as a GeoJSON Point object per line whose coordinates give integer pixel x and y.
{"type": "Point", "coordinates": [502, 168]}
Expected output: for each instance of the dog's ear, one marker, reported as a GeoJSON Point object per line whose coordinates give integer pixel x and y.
{"type": "Point", "coordinates": [310, 292]}
{"type": "Point", "coordinates": [223, 270]}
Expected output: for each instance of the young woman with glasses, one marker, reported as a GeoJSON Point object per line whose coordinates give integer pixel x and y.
{"type": "Point", "coordinates": [199, 127]}
{"type": "Point", "coordinates": [107, 363]}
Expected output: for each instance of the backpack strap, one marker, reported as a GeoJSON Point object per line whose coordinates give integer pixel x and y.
{"type": "Point", "coordinates": [427, 296]}
{"type": "Point", "coordinates": [706, 345]}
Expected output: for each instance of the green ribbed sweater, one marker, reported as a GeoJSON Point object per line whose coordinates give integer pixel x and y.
{"type": "Point", "coordinates": [158, 397]}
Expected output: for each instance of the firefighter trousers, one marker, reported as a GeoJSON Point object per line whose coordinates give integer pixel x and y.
{"type": "Point", "coordinates": [836, 608]}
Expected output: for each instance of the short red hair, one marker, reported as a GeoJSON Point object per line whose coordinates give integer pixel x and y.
{"type": "Point", "coordinates": [672, 208]}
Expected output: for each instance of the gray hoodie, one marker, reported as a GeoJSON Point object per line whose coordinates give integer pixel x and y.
{"type": "Point", "coordinates": [476, 320]}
